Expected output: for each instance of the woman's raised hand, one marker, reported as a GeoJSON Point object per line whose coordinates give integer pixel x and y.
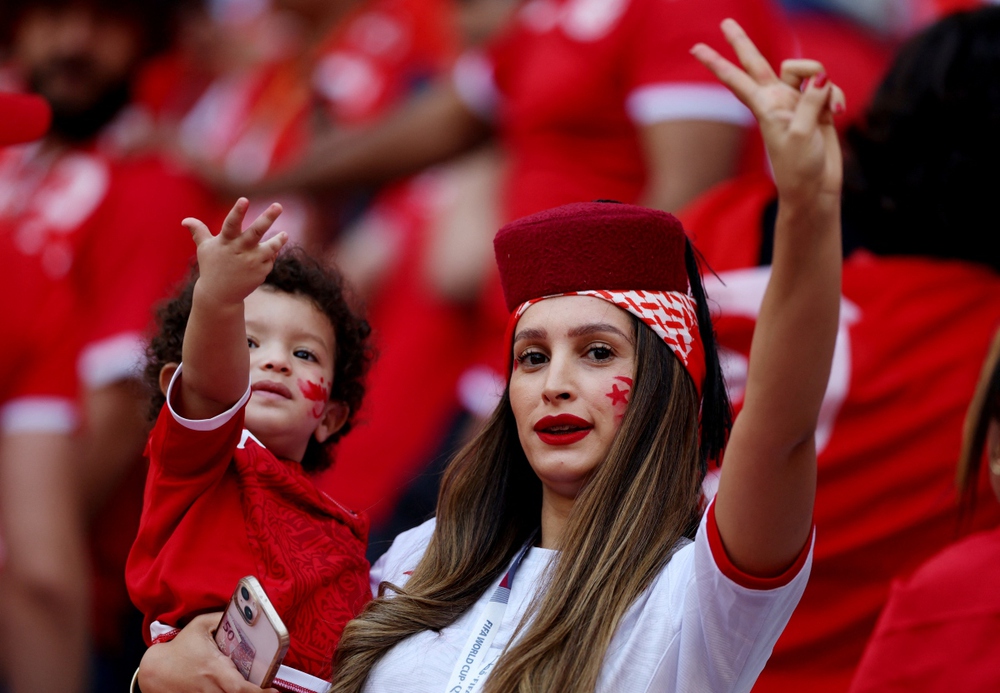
{"type": "Point", "coordinates": [795, 111]}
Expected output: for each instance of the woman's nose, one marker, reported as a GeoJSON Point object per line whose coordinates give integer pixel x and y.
{"type": "Point", "coordinates": [558, 381]}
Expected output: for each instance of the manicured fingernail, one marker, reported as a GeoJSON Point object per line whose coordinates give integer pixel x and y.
{"type": "Point", "coordinates": [819, 81]}
{"type": "Point", "coordinates": [838, 108]}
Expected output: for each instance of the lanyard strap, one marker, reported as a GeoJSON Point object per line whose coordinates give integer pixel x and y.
{"type": "Point", "coordinates": [470, 669]}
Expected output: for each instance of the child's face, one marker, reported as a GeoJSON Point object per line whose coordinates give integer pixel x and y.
{"type": "Point", "coordinates": [292, 350]}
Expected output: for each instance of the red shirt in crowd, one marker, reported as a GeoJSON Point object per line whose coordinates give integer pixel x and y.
{"type": "Point", "coordinates": [91, 242]}
{"type": "Point", "coordinates": [572, 81]}
{"type": "Point", "coordinates": [940, 629]}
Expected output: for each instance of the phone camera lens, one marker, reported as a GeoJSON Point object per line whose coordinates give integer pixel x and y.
{"type": "Point", "coordinates": [247, 613]}
{"type": "Point", "coordinates": [245, 592]}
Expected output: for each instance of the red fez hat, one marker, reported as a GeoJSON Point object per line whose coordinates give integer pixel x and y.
{"type": "Point", "coordinates": [23, 117]}
{"type": "Point", "coordinates": [590, 245]}
{"type": "Point", "coordinates": [631, 256]}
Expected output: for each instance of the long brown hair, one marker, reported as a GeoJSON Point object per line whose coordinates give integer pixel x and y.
{"type": "Point", "coordinates": [984, 407]}
{"type": "Point", "coordinates": [624, 526]}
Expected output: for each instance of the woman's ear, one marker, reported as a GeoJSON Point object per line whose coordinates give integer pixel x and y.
{"type": "Point", "coordinates": [333, 420]}
{"type": "Point", "coordinates": [166, 375]}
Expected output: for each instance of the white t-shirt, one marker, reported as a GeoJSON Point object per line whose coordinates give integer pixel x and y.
{"type": "Point", "coordinates": [693, 629]}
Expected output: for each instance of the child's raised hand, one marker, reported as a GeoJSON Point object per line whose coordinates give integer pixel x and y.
{"type": "Point", "coordinates": [795, 112]}
{"type": "Point", "coordinates": [235, 262]}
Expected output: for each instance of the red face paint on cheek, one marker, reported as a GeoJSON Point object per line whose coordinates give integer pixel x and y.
{"type": "Point", "coordinates": [315, 392]}
{"type": "Point", "coordinates": [618, 395]}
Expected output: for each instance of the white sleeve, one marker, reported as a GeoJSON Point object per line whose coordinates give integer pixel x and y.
{"type": "Point", "coordinates": [657, 103]}
{"type": "Point", "coordinates": [55, 415]}
{"type": "Point", "coordinates": [695, 629]}
{"type": "Point", "coordinates": [399, 560]}
{"type": "Point", "coordinates": [211, 424]}
{"type": "Point", "coordinates": [114, 358]}
{"type": "Point", "coordinates": [730, 629]}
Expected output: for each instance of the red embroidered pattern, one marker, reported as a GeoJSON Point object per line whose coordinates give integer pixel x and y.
{"type": "Point", "coordinates": [310, 553]}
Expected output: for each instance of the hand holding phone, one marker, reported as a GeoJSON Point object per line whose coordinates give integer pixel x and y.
{"type": "Point", "coordinates": [251, 633]}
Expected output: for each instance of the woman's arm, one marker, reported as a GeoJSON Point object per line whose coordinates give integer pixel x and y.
{"type": "Point", "coordinates": [684, 158]}
{"type": "Point", "coordinates": [192, 662]}
{"type": "Point", "coordinates": [765, 500]}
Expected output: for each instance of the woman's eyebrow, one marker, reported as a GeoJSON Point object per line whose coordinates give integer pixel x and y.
{"type": "Point", "coordinates": [597, 327]}
{"type": "Point", "coordinates": [530, 333]}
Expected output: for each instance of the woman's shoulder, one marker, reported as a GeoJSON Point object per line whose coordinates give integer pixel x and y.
{"type": "Point", "coordinates": [402, 556]}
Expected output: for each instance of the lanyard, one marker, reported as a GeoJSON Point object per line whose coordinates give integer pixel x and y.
{"type": "Point", "coordinates": [470, 670]}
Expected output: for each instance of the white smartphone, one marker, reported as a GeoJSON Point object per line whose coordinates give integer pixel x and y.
{"type": "Point", "coordinates": [251, 633]}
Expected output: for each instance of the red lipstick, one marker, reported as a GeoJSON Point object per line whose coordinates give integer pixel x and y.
{"type": "Point", "coordinates": [564, 429]}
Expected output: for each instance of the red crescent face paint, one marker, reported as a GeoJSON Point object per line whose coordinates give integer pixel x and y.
{"type": "Point", "coordinates": [315, 392]}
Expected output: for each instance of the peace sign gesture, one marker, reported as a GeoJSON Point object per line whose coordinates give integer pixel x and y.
{"type": "Point", "coordinates": [764, 505]}
{"type": "Point", "coordinates": [795, 112]}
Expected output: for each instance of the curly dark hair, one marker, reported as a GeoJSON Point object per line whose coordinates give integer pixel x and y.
{"type": "Point", "coordinates": [921, 175]}
{"type": "Point", "coordinates": [294, 272]}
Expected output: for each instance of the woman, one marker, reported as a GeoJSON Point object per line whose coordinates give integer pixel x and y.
{"type": "Point", "coordinates": [564, 529]}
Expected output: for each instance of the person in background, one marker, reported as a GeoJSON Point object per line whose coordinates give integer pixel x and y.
{"type": "Point", "coordinates": [921, 299]}
{"type": "Point", "coordinates": [590, 99]}
{"type": "Point", "coordinates": [940, 626]}
{"type": "Point", "coordinates": [90, 242]}
{"type": "Point", "coordinates": [893, 19]}
{"type": "Point", "coordinates": [420, 263]}
{"type": "Point", "coordinates": [330, 68]}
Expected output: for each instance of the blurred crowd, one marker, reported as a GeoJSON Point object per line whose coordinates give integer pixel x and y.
{"type": "Point", "coordinates": [398, 135]}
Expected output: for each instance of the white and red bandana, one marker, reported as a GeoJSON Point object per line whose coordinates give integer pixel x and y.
{"type": "Point", "coordinates": [672, 315]}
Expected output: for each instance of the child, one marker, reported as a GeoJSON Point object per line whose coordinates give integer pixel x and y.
{"type": "Point", "coordinates": [230, 490]}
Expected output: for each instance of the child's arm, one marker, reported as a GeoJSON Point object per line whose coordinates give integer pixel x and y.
{"type": "Point", "coordinates": [765, 500]}
{"type": "Point", "coordinates": [231, 265]}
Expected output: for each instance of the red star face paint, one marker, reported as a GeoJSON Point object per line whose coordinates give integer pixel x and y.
{"type": "Point", "coordinates": [617, 395]}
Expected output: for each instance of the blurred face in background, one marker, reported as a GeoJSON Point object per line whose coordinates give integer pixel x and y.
{"type": "Point", "coordinates": [480, 20]}
{"type": "Point", "coordinates": [316, 10]}
{"type": "Point", "coordinates": [81, 59]}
